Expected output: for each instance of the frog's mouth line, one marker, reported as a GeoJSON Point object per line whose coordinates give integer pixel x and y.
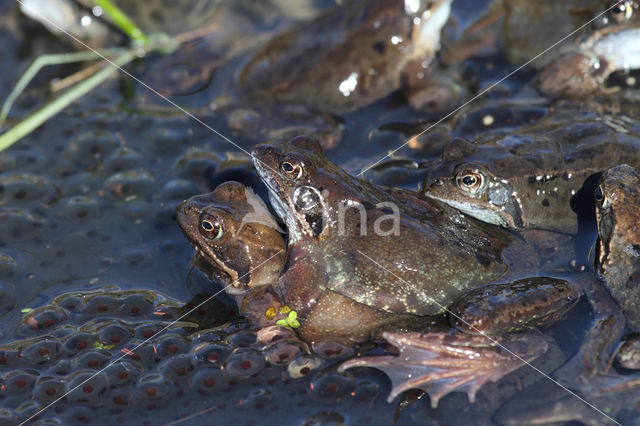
{"type": "Point", "coordinates": [484, 215]}
{"type": "Point", "coordinates": [226, 274]}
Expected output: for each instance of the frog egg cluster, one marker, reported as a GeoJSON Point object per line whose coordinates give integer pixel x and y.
{"type": "Point", "coordinates": [90, 200]}
{"type": "Point", "coordinates": [113, 350]}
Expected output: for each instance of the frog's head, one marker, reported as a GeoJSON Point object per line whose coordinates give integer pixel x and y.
{"type": "Point", "coordinates": [470, 187]}
{"type": "Point", "coordinates": [234, 232]}
{"type": "Point", "coordinates": [617, 199]}
{"type": "Point", "coordinates": [618, 15]}
{"type": "Point", "coordinates": [299, 178]}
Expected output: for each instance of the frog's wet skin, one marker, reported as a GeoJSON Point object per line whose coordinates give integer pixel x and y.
{"type": "Point", "coordinates": [348, 57]}
{"type": "Point", "coordinates": [348, 280]}
{"type": "Point", "coordinates": [591, 372]}
{"type": "Point", "coordinates": [618, 212]}
{"type": "Point", "coordinates": [613, 46]}
{"type": "Point", "coordinates": [532, 180]}
{"type": "Point", "coordinates": [234, 232]}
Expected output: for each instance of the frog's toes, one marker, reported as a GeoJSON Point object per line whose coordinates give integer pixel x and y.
{"type": "Point", "coordinates": [440, 363]}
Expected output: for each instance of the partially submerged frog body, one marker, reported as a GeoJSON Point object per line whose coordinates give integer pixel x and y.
{"type": "Point", "coordinates": [591, 372]}
{"type": "Point", "coordinates": [618, 213]}
{"type": "Point", "coordinates": [613, 46]}
{"type": "Point", "coordinates": [348, 57]}
{"type": "Point", "coordinates": [234, 232]}
{"type": "Point", "coordinates": [538, 180]}
{"type": "Point", "coordinates": [352, 272]}
{"type": "Point", "coordinates": [618, 248]}
{"type": "Point", "coordinates": [347, 225]}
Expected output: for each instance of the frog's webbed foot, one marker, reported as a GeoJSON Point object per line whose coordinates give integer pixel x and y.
{"type": "Point", "coordinates": [440, 363]}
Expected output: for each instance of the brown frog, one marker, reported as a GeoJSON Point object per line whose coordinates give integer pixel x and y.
{"type": "Point", "coordinates": [618, 248]}
{"type": "Point", "coordinates": [612, 46]}
{"type": "Point", "coordinates": [362, 259]}
{"type": "Point", "coordinates": [234, 232]}
{"type": "Point", "coordinates": [536, 179]}
{"type": "Point", "coordinates": [350, 56]}
{"type": "Point", "coordinates": [591, 372]}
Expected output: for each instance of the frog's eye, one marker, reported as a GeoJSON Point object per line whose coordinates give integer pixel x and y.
{"type": "Point", "coordinates": [599, 194]}
{"type": "Point", "coordinates": [470, 181]}
{"type": "Point", "coordinates": [622, 11]}
{"type": "Point", "coordinates": [292, 169]}
{"type": "Point", "coordinates": [211, 228]}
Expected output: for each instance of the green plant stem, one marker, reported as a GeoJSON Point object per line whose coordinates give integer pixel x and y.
{"type": "Point", "coordinates": [35, 120]}
{"type": "Point", "coordinates": [46, 60]}
{"type": "Point", "coordinates": [122, 21]}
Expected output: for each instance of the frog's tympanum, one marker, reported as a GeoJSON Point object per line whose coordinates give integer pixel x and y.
{"type": "Point", "coordinates": [613, 46]}
{"type": "Point", "coordinates": [363, 258]}
{"type": "Point", "coordinates": [234, 232]}
{"type": "Point", "coordinates": [530, 181]}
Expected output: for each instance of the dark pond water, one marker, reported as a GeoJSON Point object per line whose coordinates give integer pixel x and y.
{"type": "Point", "coordinates": [92, 261]}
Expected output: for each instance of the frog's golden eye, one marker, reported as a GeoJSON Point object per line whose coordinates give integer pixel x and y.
{"type": "Point", "coordinates": [469, 181]}
{"type": "Point", "coordinates": [211, 228]}
{"type": "Point", "coordinates": [599, 194]}
{"type": "Point", "coordinates": [621, 11]}
{"type": "Point", "coordinates": [291, 169]}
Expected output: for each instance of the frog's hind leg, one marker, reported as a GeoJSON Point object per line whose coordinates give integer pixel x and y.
{"type": "Point", "coordinates": [440, 363]}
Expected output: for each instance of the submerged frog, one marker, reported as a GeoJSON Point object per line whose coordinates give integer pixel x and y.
{"type": "Point", "coordinates": [618, 250]}
{"type": "Point", "coordinates": [348, 57]}
{"type": "Point", "coordinates": [591, 372]}
{"type": "Point", "coordinates": [541, 179]}
{"type": "Point", "coordinates": [613, 46]}
{"type": "Point", "coordinates": [362, 259]}
{"type": "Point", "coordinates": [234, 232]}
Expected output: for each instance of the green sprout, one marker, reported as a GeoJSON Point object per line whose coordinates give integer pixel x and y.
{"type": "Point", "coordinates": [100, 345]}
{"type": "Point", "coordinates": [291, 321]}
{"type": "Point", "coordinates": [122, 21]}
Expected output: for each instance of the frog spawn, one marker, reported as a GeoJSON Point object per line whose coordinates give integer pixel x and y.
{"type": "Point", "coordinates": [84, 348]}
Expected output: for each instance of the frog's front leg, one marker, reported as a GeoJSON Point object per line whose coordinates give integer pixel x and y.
{"type": "Point", "coordinates": [440, 363]}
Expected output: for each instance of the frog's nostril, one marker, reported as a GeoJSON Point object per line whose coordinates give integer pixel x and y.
{"type": "Point", "coordinates": [438, 182]}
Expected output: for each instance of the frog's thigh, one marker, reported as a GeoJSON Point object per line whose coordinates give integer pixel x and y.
{"type": "Point", "coordinates": [504, 307]}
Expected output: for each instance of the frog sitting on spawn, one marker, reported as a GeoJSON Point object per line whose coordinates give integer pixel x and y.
{"type": "Point", "coordinates": [234, 232]}
{"type": "Point", "coordinates": [349, 282]}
